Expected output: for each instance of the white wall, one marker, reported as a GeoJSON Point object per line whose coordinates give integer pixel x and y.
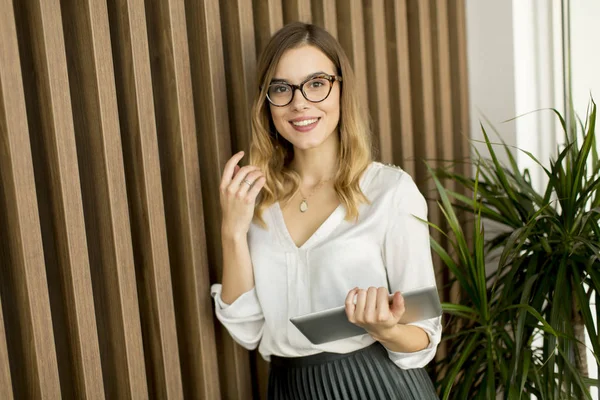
{"type": "Point", "coordinates": [539, 80]}
{"type": "Point", "coordinates": [490, 63]}
{"type": "Point", "coordinates": [585, 53]}
{"type": "Point", "coordinates": [514, 61]}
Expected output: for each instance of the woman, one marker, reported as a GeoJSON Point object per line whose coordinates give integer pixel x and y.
{"type": "Point", "coordinates": [312, 223]}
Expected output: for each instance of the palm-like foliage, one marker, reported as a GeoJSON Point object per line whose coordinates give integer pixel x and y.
{"type": "Point", "coordinates": [548, 270]}
{"type": "Point", "coordinates": [482, 352]}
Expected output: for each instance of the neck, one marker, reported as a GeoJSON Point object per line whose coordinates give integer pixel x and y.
{"type": "Point", "coordinates": [317, 164]}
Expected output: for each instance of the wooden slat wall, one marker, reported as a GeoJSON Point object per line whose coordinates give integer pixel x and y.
{"type": "Point", "coordinates": [23, 280]}
{"type": "Point", "coordinates": [400, 84]}
{"type": "Point", "coordinates": [97, 133]}
{"type": "Point", "coordinates": [240, 74]}
{"type": "Point", "coordinates": [5, 380]}
{"type": "Point", "coordinates": [377, 65]}
{"type": "Point", "coordinates": [144, 187]}
{"type": "Point", "coordinates": [57, 180]}
{"type": "Point", "coordinates": [116, 118]}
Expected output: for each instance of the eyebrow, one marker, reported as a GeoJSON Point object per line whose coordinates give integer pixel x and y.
{"type": "Point", "coordinates": [281, 80]}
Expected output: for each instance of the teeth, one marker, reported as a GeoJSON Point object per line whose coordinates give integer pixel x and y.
{"type": "Point", "coordinates": [305, 122]}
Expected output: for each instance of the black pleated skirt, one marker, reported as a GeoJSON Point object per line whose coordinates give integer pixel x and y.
{"type": "Point", "coordinates": [365, 374]}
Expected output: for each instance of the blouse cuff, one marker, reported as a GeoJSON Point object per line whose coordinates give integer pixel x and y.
{"type": "Point", "coordinates": [244, 307]}
{"type": "Point", "coordinates": [421, 358]}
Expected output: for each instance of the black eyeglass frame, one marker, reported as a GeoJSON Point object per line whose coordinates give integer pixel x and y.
{"type": "Point", "coordinates": [330, 78]}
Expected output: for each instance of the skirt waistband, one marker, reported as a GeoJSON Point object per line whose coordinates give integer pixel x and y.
{"type": "Point", "coordinates": [321, 358]}
{"type": "Point", "coordinates": [367, 373]}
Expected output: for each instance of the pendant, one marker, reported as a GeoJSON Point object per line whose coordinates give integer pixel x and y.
{"type": "Point", "coordinates": [303, 206]}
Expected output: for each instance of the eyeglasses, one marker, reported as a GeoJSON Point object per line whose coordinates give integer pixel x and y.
{"type": "Point", "coordinates": [314, 89]}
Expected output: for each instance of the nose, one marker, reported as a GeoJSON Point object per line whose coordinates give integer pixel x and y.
{"type": "Point", "coordinates": [298, 100]}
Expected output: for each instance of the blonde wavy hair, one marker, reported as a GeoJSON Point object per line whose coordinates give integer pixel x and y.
{"type": "Point", "coordinates": [272, 154]}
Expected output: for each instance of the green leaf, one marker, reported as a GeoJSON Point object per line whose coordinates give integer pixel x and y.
{"type": "Point", "coordinates": [458, 365]}
{"type": "Point", "coordinates": [584, 306]}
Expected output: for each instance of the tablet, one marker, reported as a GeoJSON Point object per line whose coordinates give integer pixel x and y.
{"type": "Point", "coordinates": [332, 324]}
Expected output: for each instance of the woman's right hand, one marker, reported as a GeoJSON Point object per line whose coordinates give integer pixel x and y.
{"type": "Point", "coordinates": [239, 189]}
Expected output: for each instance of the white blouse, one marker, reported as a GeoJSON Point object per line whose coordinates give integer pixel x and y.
{"type": "Point", "coordinates": [386, 243]}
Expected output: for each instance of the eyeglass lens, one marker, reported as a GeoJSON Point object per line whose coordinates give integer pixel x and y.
{"type": "Point", "coordinates": [315, 90]}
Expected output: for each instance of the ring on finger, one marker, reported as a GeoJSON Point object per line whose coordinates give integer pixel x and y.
{"type": "Point", "coordinates": [247, 182]}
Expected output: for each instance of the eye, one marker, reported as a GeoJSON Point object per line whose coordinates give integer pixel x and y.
{"type": "Point", "coordinates": [279, 88]}
{"type": "Point", "coordinates": [317, 83]}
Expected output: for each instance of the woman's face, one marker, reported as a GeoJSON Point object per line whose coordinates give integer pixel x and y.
{"type": "Point", "coordinates": [303, 123]}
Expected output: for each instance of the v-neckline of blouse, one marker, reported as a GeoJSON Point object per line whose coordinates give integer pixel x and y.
{"type": "Point", "coordinates": [330, 223]}
{"type": "Point", "coordinates": [325, 229]}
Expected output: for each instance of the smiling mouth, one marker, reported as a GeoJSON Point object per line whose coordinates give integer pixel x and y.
{"type": "Point", "coordinates": [305, 122]}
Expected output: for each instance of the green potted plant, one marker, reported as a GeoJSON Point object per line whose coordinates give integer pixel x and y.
{"type": "Point", "coordinates": [548, 270]}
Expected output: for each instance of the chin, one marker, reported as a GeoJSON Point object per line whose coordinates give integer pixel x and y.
{"type": "Point", "coordinates": [308, 143]}
{"type": "Point", "coordinates": [307, 146]}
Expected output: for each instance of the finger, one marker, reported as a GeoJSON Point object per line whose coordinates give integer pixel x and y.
{"type": "Point", "coordinates": [350, 307]}
{"type": "Point", "coordinates": [361, 299]}
{"type": "Point", "coordinates": [241, 175]}
{"type": "Point", "coordinates": [397, 307]}
{"type": "Point", "coordinates": [228, 170]}
{"type": "Point", "coordinates": [370, 304]}
{"type": "Point", "coordinates": [256, 188]}
{"type": "Point", "coordinates": [247, 183]}
{"type": "Point", "coordinates": [383, 304]}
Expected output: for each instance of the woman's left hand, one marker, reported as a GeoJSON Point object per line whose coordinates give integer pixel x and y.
{"type": "Point", "coordinates": [373, 312]}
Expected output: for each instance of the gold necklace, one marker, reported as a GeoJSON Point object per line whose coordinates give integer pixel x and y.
{"type": "Point", "coordinates": [304, 202]}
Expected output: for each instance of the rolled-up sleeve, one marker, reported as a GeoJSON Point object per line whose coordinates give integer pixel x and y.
{"type": "Point", "coordinates": [418, 359]}
{"type": "Point", "coordinates": [407, 254]}
{"type": "Point", "coordinates": [243, 318]}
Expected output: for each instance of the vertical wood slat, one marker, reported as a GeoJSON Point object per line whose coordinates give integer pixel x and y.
{"type": "Point", "coordinates": [268, 19]}
{"type": "Point", "coordinates": [239, 54]}
{"type": "Point", "coordinates": [296, 10]}
{"type": "Point", "coordinates": [424, 118]}
{"type": "Point", "coordinates": [210, 105]}
{"type": "Point", "coordinates": [324, 14]}
{"type": "Point", "coordinates": [421, 66]}
{"type": "Point", "coordinates": [39, 370]}
{"type": "Point", "coordinates": [261, 376]}
{"type": "Point", "coordinates": [80, 369]}
{"type": "Point", "coordinates": [460, 106]}
{"type": "Point", "coordinates": [134, 84]}
{"type": "Point", "coordinates": [352, 39]}
{"type": "Point", "coordinates": [91, 79]}
{"type": "Point", "coordinates": [400, 85]}
{"type": "Point", "coordinates": [442, 98]}
{"type": "Point", "coordinates": [9, 324]}
{"type": "Point", "coordinates": [443, 90]}
{"type": "Point", "coordinates": [444, 123]}
{"type": "Point", "coordinates": [6, 391]}
{"type": "Point", "coordinates": [377, 82]}
{"type": "Point", "coordinates": [442, 81]}
{"type": "Point", "coordinates": [460, 89]}
{"type": "Point", "coordinates": [176, 127]}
